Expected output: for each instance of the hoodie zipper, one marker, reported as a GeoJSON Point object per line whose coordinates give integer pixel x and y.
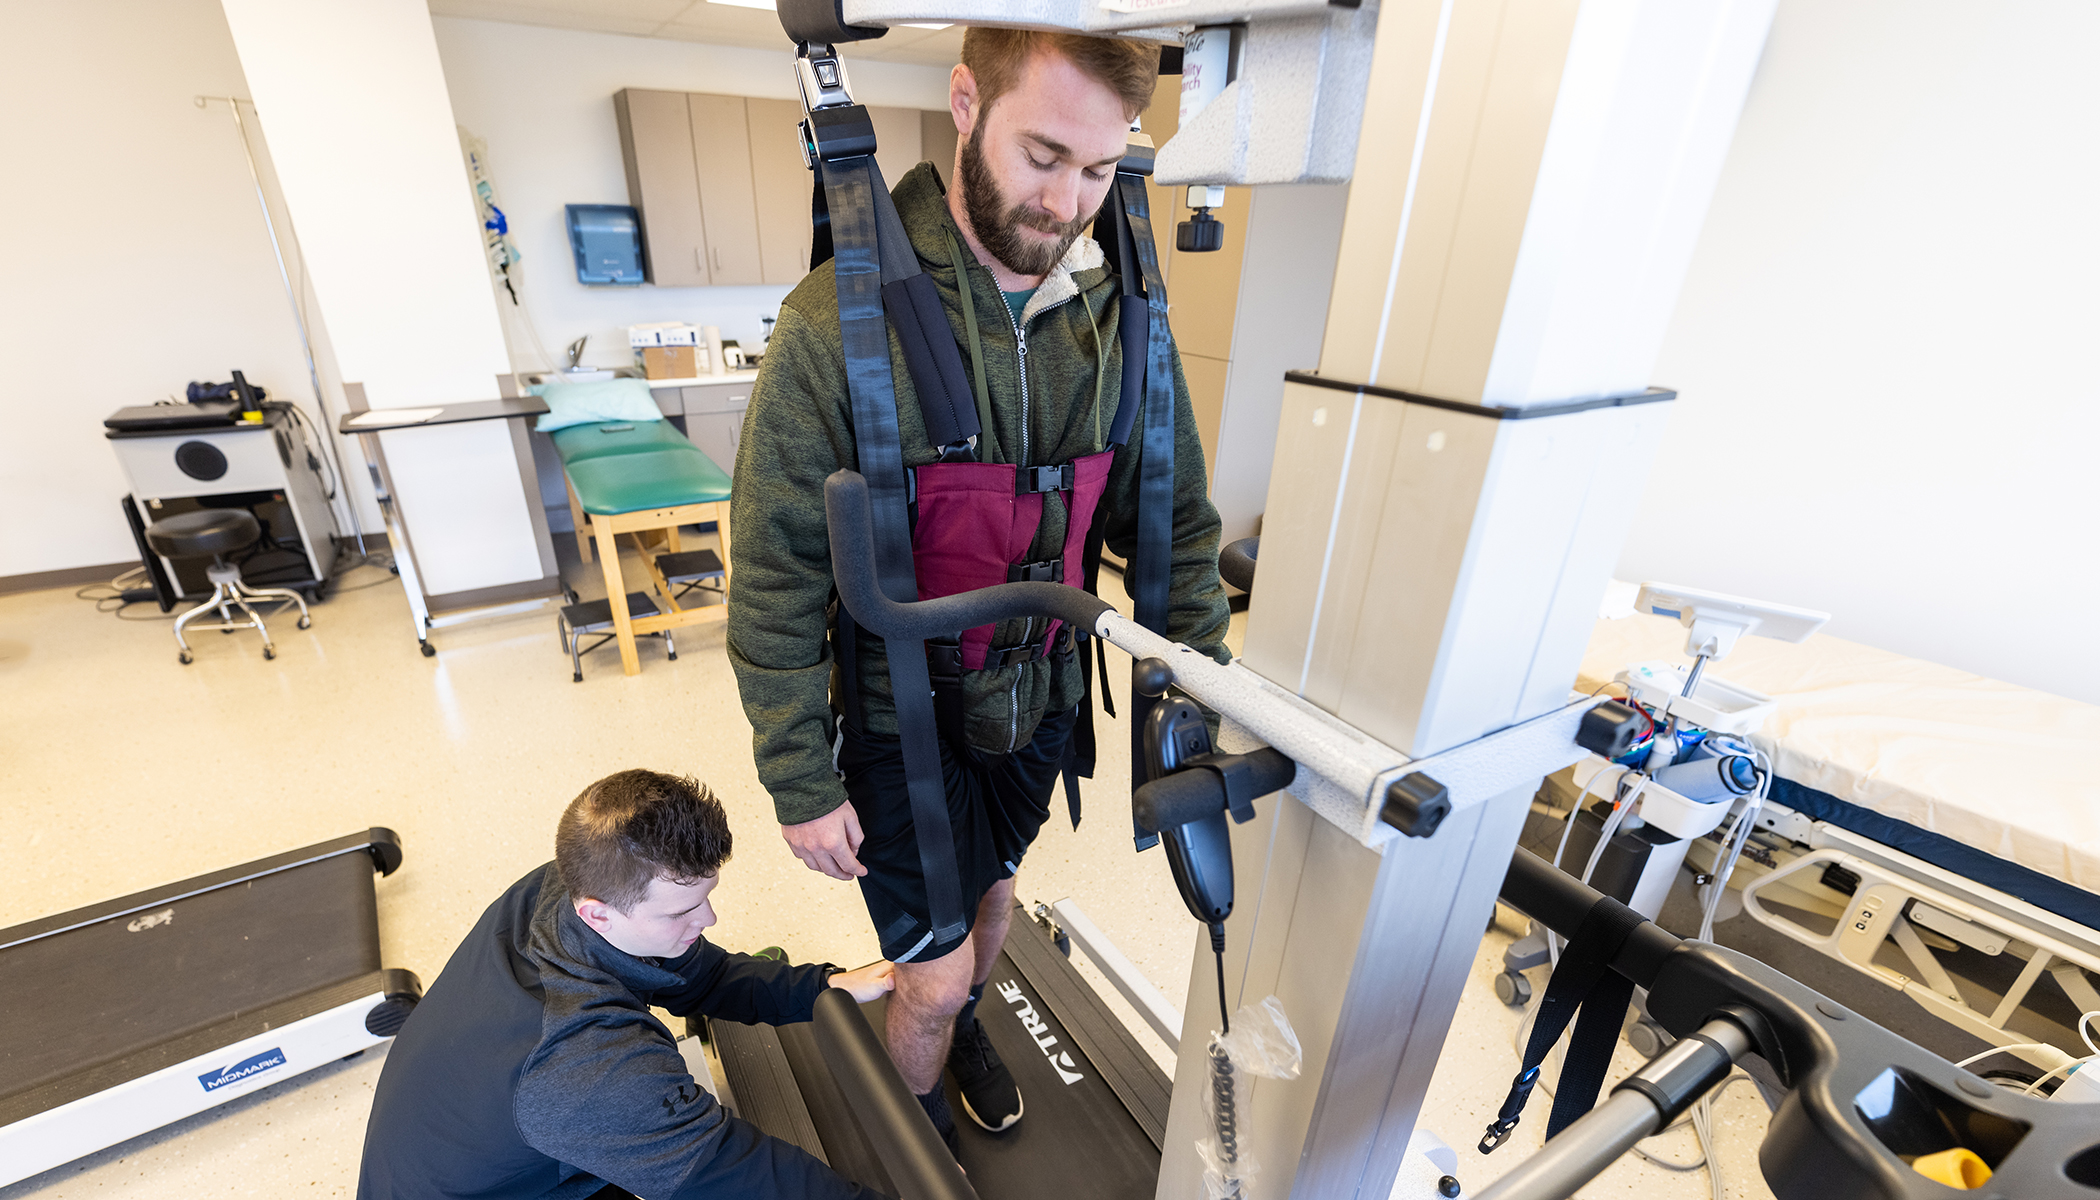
{"type": "Point", "coordinates": [1013, 699]}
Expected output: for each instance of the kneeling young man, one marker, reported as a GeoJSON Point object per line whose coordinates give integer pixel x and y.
{"type": "Point", "coordinates": [533, 1067]}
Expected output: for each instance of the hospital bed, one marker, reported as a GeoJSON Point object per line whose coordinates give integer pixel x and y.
{"type": "Point", "coordinates": [639, 476]}
{"type": "Point", "coordinates": [1935, 831]}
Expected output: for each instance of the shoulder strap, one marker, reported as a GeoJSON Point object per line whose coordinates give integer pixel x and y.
{"type": "Point", "coordinates": [1148, 376]}
{"type": "Point", "coordinates": [867, 249]}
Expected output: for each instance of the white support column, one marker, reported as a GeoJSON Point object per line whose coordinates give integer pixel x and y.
{"type": "Point", "coordinates": [351, 98]}
{"type": "Point", "coordinates": [1451, 491]}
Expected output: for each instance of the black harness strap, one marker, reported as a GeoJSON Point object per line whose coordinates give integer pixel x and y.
{"type": "Point", "coordinates": [867, 248]}
{"type": "Point", "coordinates": [1583, 980]}
{"type": "Point", "coordinates": [1149, 569]}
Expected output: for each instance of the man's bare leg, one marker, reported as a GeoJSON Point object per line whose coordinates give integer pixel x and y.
{"type": "Point", "coordinates": [921, 1016]}
{"type": "Point", "coordinates": [995, 913]}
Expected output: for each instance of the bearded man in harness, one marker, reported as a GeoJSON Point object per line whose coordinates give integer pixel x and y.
{"type": "Point", "coordinates": [1033, 308]}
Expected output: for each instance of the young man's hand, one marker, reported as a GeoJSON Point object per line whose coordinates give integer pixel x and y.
{"type": "Point", "coordinates": [828, 843]}
{"type": "Point", "coordinates": [875, 979]}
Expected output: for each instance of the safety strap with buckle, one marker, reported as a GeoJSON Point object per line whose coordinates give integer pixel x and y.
{"type": "Point", "coordinates": [1142, 319]}
{"type": "Point", "coordinates": [1582, 981]}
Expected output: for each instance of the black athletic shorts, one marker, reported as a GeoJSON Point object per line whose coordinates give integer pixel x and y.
{"type": "Point", "coordinates": [996, 805]}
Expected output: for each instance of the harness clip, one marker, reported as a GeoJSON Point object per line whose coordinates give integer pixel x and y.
{"type": "Point", "coordinates": [1051, 570]}
{"type": "Point", "coordinates": [1030, 481]}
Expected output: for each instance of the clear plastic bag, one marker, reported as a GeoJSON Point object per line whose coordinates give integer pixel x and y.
{"type": "Point", "coordinates": [1261, 1045]}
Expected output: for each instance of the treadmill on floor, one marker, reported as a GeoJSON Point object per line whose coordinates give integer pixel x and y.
{"type": "Point", "coordinates": [131, 1014]}
{"type": "Point", "coordinates": [1095, 1103]}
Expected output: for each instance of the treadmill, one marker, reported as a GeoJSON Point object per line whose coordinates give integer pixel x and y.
{"type": "Point", "coordinates": [137, 1012]}
{"type": "Point", "coordinates": [1095, 1102]}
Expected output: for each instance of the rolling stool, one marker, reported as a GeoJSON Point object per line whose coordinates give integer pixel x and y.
{"type": "Point", "coordinates": [595, 616]}
{"type": "Point", "coordinates": [219, 532]}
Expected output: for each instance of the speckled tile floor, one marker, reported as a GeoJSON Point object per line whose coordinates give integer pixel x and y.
{"type": "Point", "coordinates": [120, 769]}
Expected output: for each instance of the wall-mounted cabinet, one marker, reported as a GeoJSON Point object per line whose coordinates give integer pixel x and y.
{"type": "Point", "coordinates": [721, 187]}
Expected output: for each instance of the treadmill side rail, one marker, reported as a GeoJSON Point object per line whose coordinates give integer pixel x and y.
{"type": "Point", "coordinates": [55, 1136]}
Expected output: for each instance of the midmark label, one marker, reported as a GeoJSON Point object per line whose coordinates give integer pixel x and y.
{"type": "Point", "coordinates": [225, 1076]}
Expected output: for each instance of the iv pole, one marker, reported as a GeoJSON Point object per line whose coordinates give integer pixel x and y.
{"type": "Point", "coordinates": [313, 372]}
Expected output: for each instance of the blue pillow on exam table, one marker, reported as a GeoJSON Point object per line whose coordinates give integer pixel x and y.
{"type": "Point", "coordinates": [601, 400]}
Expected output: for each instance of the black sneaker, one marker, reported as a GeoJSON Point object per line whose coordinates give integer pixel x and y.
{"type": "Point", "coordinates": [935, 1103]}
{"type": "Point", "coordinates": [987, 1087]}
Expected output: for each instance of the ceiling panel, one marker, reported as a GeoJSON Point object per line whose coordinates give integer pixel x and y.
{"type": "Point", "coordinates": [698, 21]}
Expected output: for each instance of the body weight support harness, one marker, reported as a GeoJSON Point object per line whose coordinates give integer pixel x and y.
{"type": "Point", "coordinates": [877, 273]}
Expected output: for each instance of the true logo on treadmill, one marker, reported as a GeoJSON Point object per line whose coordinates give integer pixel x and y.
{"type": "Point", "coordinates": [247, 1067]}
{"type": "Point", "coordinates": [1039, 1030]}
{"type": "Point", "coordinates": [163, 917]}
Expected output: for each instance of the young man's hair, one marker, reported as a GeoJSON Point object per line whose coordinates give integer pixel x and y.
{"type": "Point", "coordinates": [636, 826]}
{"type": "Point", "coordinates": [997, 57]}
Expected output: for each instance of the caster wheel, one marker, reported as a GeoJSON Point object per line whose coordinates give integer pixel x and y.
{"type": "Point", "coordinates": [226, 633]}
{"type": "Point", "coordinates": [674, 656]}
{"type": "Point", "coordinates": [576, 678]}
{"type": "Point", "coordinates": [429, 651]}
{"type": "Point", "coordinates": [185, 658]}
{"type": "Point", "coordinates": [306, 622]}
{"type": "Point", "coordinates": [393, 570]}
{"type": "Point", "coordinates": [1512, 988]}
{"type": "Point", "coordinates": [269, 652]}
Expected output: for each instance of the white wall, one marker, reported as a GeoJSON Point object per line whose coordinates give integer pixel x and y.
{"type": "Point", "coordinates": [352, 99]}
{"type": "Point", "coordinates": [542, 99]}
{"type": "Point", "coordinates": [1885, 347]}
{"type": "Point", "coordinates": [136, 258]}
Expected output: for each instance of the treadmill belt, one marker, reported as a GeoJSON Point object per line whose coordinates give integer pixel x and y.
{"type": "Point", "coordinates": [1077, 1138]}
{"type": "Point", "coordinates": [115, 987]}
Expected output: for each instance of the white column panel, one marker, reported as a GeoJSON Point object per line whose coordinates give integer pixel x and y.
{"type": "Point", "coordinates": [352, 99]}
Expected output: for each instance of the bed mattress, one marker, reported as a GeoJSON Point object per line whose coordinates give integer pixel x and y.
{"type": "Point", "coordinates": [1996, 782]}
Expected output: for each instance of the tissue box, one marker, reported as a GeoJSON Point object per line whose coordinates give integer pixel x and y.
{"type": "Point", "coordinates": [669, 362]}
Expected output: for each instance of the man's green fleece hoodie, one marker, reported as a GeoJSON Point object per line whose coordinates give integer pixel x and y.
{"type": "Point", "coordinates": [1044, 373]}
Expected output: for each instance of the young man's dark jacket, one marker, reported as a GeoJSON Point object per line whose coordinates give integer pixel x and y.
{"type": "Point", "coordinates": [799, 429]}
{"type": "Point", "coordinates": [533, 1069]}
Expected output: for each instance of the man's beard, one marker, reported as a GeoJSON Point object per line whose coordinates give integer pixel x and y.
{"type": "Point", "coordinates": [997, 224]}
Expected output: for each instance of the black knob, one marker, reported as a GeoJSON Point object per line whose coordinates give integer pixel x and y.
{"type": "Point", "coordinates": [1609, 729]}
{"type": "Point", "coordinates": [1447, 1187]}
{"type": "Point", "coordinates": [1151, 676]}
{"type": "Point", "coordinates": [1415, 805]}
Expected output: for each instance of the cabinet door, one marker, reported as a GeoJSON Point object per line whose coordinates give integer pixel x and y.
{"type": "Point", "coordinates": [782, 184]}
{"type": "Point", "coordinates": [896, 141]}
{"type": "Point", "coordinates": [716, 434]}
{"type": "Point", "coordinates": [722, 157]}
{"type": "Point", "coordinates": [656, 143]}
{"type": "Point", "coordinates": [937, 139]}
{"type": "Point", "coordinates": [716, 398]}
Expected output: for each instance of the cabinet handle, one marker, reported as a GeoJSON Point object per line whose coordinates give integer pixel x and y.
{"type": "Point", "coordinates": [717, 252]}
{"type": "Point", "coordinates": [698, 261]}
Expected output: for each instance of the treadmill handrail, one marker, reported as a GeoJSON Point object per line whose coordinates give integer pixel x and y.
{"type": "Point", "coordinates": [853, 566]}
{"type": "Point", "coordinates": [918, 1161]}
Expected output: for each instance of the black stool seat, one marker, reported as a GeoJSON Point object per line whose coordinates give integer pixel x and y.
{"type": "Point", "coordinates": [206, 531]}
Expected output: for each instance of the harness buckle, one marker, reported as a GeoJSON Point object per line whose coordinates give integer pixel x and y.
{"type": "Point", "coordinates": [1030, 481]}
{"type": "Point", "coordinates": [944, 662]}
{"type": "Point", "coordinates": [1050, 570]}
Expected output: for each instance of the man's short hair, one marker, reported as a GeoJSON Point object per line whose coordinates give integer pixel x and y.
{"type": "Point", "coordinates": [636, 826]}
{"type": "Point", "coordinates": [997, 57]}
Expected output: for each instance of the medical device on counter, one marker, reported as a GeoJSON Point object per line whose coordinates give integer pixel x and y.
{"type": "Point", "coordinates": [1679, 782]}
